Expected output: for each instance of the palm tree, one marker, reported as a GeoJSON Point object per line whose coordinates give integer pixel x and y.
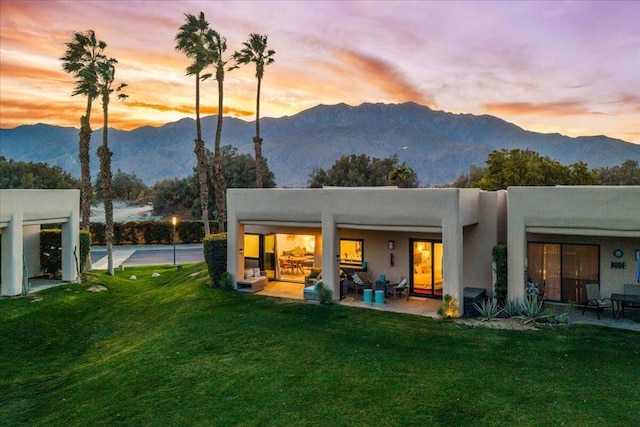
{"type": "Point", "coordinates": [81, 60]}
{"type": "Point", "coordinates": [254, 51]}
{"type": "Point", "coordinates": [106, 76]}
{"type": "Point", "coordinates": [190, 41]}
{"type": "Point", "coordinates": [403, 176]}
{"type": "Point", "coordinates": [216, 46]}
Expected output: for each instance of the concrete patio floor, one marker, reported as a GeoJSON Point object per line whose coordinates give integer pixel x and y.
{"type": "Point", "coordinates": [429, 307]}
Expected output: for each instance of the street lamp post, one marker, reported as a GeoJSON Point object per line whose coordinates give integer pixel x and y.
{"type": "Point", "coordinates": [174, 221]}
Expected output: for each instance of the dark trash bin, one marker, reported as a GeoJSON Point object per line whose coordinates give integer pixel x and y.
{"type": "Point", "coordinates": [471, 296]}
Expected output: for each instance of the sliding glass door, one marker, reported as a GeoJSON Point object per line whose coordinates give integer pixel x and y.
{"type": "Point", "coordinates": [426, 264]}
{"type": "Point", "coordinates": [562, 270]}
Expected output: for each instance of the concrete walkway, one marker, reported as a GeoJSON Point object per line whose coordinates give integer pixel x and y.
{"type": "Point", "coordinates": [119, 257]}
{"type": "Point", "coordinates": [137, 255]}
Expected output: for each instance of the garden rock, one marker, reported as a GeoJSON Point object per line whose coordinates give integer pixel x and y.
{"type": "Point", "coordinates": [154, 275]}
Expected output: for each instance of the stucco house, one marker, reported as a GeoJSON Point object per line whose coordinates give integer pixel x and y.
{"type": "Point", "coordinates": [22, 212]}
{"type": "Point", "coordinates": [441, 240]}
{"type": "Point", "coordinates": [564, 237]}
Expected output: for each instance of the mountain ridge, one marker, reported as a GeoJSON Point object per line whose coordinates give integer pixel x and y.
{"type": "Point", "coordinates": [438, 145]}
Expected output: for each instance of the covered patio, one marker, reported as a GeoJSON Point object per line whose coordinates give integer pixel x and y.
{"type": "Point", "coordinates": [388, 222]}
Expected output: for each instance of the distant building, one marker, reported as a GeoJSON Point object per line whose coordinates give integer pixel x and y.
{"type": "Point", "coordinates": [22, 212]}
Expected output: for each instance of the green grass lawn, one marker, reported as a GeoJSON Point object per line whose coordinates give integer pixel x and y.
{"type": "Point", "coordinates": [172, 351]}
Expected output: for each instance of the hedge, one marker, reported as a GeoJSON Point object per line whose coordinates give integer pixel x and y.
{"type": "Point", "coordinates": [151, 232]}
{"type": "Point", "coordinates": [51, 250]}
{"type": "Point", "coordinates": [500, 258]}
{"type": "Point", "coordinates": [215, 255]}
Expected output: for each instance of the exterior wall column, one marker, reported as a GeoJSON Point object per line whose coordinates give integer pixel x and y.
{"type": "Point", "coordinates": [453, 260]}
{"type": "Point", "coordinates": [31, 247]}
{"type": "Point", "coordinates": [330, 254]}
{"type": "Point", "coordinates": [70, 248]}
{"type": "Point", "coordinates": [12, 247]}
{"type": "Point", "coordinates": [516, 256]}
{"type": "Point", "coordinates": [235, 247]}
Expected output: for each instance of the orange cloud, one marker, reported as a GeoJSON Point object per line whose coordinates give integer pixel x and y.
{"type": "Point", "coordinates": [384, 76]}
{"type": "Point", "coordinates": [555, 109]}
{"type": "Point", "coordinates": [19, 112]}
{"type": "Point", "coordinates": [188, 109]}
{"type": "Point", "coordinates": [18, 71]}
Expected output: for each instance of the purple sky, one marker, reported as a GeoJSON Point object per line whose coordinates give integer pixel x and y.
{"type": "Point", "coordinates": [567, 67]}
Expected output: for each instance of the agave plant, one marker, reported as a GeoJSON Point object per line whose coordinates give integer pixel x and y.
{"type": "Point", "coordinates": [512, 307]}
{"type": "Point", "coordinates": [488, 309]}
{"type": "Point", "coordinates": [531, 309]}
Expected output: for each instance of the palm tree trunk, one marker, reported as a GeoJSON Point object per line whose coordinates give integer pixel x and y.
{"type": "Point", "coordinates": [107, 189]}
{"type": "Point", "coordinates": [201, 159]}
{"type": "Point", "coordinates": [218, 176]}
{"type": "Point", "coordinates": [86, 191]}
{"type": "Point", "coordinates": [257, 141]}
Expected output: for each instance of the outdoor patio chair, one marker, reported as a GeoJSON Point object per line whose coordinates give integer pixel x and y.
{"type": "Point", "coordinates": [595, 300]}
{"type": "Point", "coordinates": [400, 289]}
{"type": "Point", "coordinates": [360, 283]}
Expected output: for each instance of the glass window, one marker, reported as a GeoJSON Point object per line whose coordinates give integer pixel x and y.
{"type": "Point", "coordinates": [351, 251]}
{"type": "Point", "coordinates": [251, 246]}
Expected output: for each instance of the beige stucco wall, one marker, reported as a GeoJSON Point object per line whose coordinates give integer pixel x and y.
{"type": "Point", "coordinates": [480, 238]}
{"type": "Point", "coordinates": [375, 214]}
{"type": "Point", "coordinates": [606, 216]}
{"type": "Point", "coordinates": [21, 214]}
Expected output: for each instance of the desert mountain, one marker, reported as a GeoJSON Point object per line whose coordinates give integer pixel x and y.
{"type": "Point", "coordinates": [436, 144]}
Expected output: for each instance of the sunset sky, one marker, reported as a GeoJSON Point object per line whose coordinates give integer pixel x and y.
{"type": "Point", "coordinates": [567, 67]}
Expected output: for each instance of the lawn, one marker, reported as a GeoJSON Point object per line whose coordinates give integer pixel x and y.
{"type": "Point", "coordinates": [172, 351]}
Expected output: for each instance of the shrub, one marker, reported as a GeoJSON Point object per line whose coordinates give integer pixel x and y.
{"type": "Point", "coordinates": [325, 295]}
{"type": "Point", "coordinates": [215, 255]}
{"type": "Point", "coordinates": [51, 251]}
{"type": "Point", "coordinates": [98, 233]}
{"type": "Point", "coordinates": [157, 232]}
{"type": "Point", "coordinates": [500, 258]}
{"type": "Point", "coordinates": [449, 307]}
{"type": "Point", "coordinates": [190, 231]}
{"type": "Point", "coordinates": [226, 281]}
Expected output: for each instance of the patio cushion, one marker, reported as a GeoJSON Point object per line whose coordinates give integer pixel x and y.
{"type": "Point", "coordinates": [357, 279]}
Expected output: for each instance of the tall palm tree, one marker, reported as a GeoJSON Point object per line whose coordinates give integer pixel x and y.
{"type": "Point", "coordinates": [106, 76]}
{"type": "Point", "coordinates": [81, 60]}
{"type": "Point", "coordinates": [255, 50]}
{"type": "Point", "coordinates": [216, 46]}
{"type": "Point", "coordinates": [190, 41]}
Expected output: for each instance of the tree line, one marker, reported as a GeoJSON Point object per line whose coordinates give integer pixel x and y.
{"type": "Point", "coordinates": [517, 167]}
{"type": "Point", "coordinates": [503, 168]}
